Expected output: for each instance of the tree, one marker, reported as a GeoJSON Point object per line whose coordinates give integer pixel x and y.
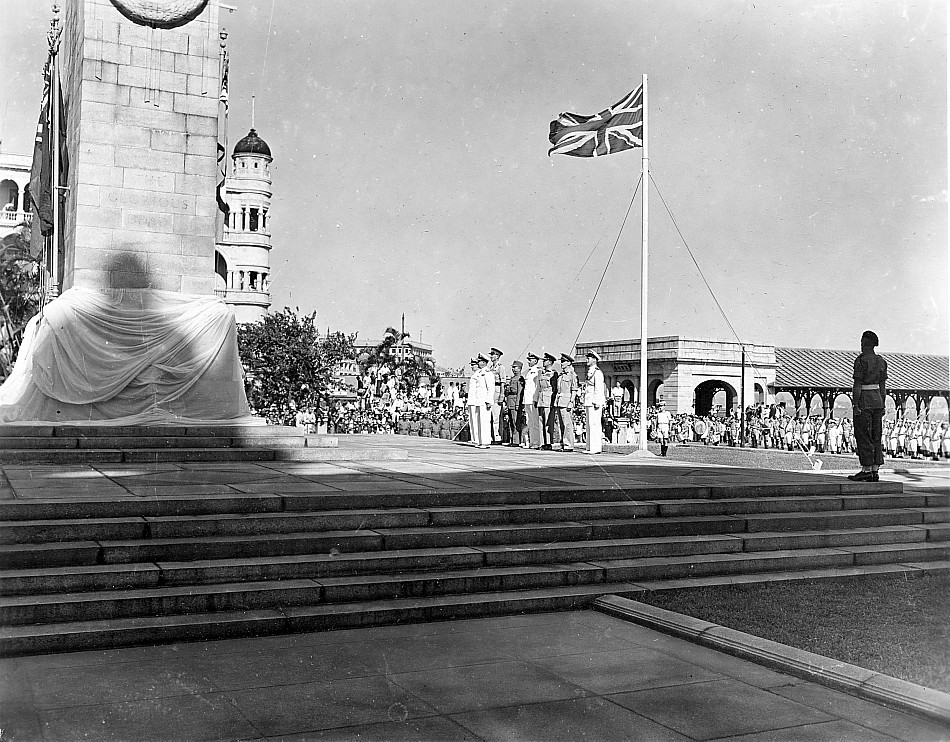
{"type": "Point", "coordinates": [288, 364]}
{"type": "Point", "coordinates": [382, 362]}
{"type": "Point", "coordinates": [20, 293]}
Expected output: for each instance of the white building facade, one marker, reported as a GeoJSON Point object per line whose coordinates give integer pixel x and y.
{"type": "Point", "coordinates": [14, 191]}
{"type": "Point", "coordinates": [242, 257]}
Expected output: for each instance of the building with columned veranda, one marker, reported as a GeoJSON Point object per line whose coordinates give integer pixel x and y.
{"type": "Point", "coordinates": [242, 257]}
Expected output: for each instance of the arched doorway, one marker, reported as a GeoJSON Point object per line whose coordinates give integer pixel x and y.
{"type": "Point", "coordinates": [706, 392]}
{"type": "Point", "coordinates": [9, 195]}
{"type": "Point", "coordinates": [629, 390]}
{"type": "Point", "coordinates": [655, 392]}
{"type": "Point", "coordinates": [759, 394]}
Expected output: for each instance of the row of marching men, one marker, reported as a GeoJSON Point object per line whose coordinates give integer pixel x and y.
{"type": "Point", "coordinates": [532, 407]}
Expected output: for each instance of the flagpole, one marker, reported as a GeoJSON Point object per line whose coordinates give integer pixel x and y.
{"type": "Point", "coordinates": [56, 186]}
{"type": "Point", "coordinates": [644, 255]}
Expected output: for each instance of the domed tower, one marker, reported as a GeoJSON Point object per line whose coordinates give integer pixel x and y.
{"type": "Point", "coordinates": [242, 260]}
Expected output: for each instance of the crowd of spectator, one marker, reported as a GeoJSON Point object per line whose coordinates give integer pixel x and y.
{"type": "Point", "coordinates": [439, 411]}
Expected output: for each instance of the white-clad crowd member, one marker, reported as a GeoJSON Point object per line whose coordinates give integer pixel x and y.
{"type": "Point", "coordinates": [481, 392]}
{"type": "Point", "coordinates": [663, 421]}
{"type": "Point", "coordinates": [594, 400]}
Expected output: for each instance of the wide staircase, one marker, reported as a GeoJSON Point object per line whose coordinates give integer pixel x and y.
{"type": "Point", "coordinates": [48, 444]}
{"type": "Point", "coordinates": [91, 573]}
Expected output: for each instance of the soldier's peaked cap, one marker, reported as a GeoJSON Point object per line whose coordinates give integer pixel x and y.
{"type": "Point", "coordinates": [549, 357]}
{"type": "Point", "coordinates": [532, 355]}
{"type": "Point", "coordinates": [519, 364]}
{"type": "Point", "coordinates": [566, 357]}
{"type": "Point", "coordinates": [481, 357]}
{"type": "Point", "coordinates": [474, 361]}
{"type": "Point", "coordinates": [496, 352]}
{"type": "Point", "coordinates": [593, 354]}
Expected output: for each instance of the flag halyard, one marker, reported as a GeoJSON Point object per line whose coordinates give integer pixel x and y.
{"type": "Point", "coordinates": [616, 129]}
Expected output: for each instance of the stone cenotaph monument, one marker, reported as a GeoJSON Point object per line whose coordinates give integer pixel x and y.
{"type": "Point", "coordinates": [137, 336]}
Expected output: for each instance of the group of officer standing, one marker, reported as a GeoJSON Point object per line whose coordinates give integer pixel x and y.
{"type": "Point", "coordinates": [533, 407]}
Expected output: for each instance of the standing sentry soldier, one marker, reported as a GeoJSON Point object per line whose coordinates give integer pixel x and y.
{"type": "Point", "coordinates": [868, 394]}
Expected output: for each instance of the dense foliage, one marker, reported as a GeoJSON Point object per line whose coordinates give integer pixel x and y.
{"type": "Point", "coordinates": [288, 364]}
{"type": "Point", "coordinates": [20, 293]}
{"type": "Point", "coordinates": [382, 362]}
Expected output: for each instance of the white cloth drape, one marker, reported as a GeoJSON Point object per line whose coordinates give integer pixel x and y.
{"type": "Point", "coordinates": [128, 357]}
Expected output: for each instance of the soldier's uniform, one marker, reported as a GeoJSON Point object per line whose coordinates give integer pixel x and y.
{"type": "Point", "coordinates": [530, 401]}
{"type": "Point", "coordinates": [500, 374]}
{"type": "Point", "coordinates": [567, 386]}
{"type": "Point", "coordinates": [546, 380]}
{"type": "Point", "coordinates": [594, 400]}
{"type": "Point", "coordinates": [514, 408]}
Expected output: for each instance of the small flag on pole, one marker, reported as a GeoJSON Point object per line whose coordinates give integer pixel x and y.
{"type": "Point", "coordinates": [618, 128]}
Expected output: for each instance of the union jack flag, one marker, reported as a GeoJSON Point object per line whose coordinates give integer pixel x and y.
{"type": "Point", "coordinates": [618, 128]}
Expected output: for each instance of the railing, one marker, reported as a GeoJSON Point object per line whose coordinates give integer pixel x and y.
{"type": "Point", "coordinates": [10, 218]}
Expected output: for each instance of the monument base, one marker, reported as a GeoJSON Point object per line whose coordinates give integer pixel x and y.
{"type": "Point", "coordinates": [128, 357]}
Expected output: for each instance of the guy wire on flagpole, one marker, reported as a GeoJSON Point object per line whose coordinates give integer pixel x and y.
{"type": "Point", "coordinates": [569, 287]}
{"type": "Point", "coordinates": [609, 258]}
{"type": "Point", "coordinates": [644, 261]}
{"type": "Point", "coordinates": [708, 287]}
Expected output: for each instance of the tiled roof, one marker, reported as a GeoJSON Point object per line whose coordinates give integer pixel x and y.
{"type": "Point", "coordinates": [806, 367]}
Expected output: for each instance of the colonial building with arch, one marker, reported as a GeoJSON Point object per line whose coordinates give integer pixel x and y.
{"type": "Point", "coordinates": [14, 191]}
{"type": "Point", "coordinates": [242, 257]}
{"type": "Point", "coordinates": [687, 374]}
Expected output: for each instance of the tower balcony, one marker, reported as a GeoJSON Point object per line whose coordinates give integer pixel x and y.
{"type": "Point", "coordinates": [12, 218]}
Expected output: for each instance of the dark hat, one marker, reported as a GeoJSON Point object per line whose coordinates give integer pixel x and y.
{"type": "Point", "coordinates": [593, 354]}
{"type": "Point", "coordinates": [481, 357]}
{"type": "Point", "coordinates": [532, 355]}
{"type": "Point", "coordinates": [549, 357]}
{"type": "Point", "coordinates": [519, 364]}
{"type": "Point", "coordinates": [474, 361]}
{"type": "Point", "coordinates": [496, 352]}
{"type": "Point", "coordinates": [869, 337]}
{"type": "Point", "coordinates": [566, 357]}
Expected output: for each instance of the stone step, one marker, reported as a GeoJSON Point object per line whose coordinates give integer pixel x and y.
{"type": "Point", "coordinates": [778, 540]}
{"type": "Point", "coordinates": [835, 520]}
{"type": "Point", "coordinates": [635, 570]}
{"type": "Point", "coordinates": [75, 636]}
{"type": "Point", "coordinates": [133, 456]}
{"type": "Point", "coordinates": [91, 576]}
{"type": "Point", "coordinates": [691, 500]}
{"type": "Point", "coordinates": [168, 600]}
{"type": "Point", "coordinates": [113, 443]}
{"type": "Point", "coordinates": [79, 553]}
{"type": "Point", "coordinates": [240, 452]}
{"type": "Point", "coordinates": [930, 551]}
{"type": "Point", "coordinates": [118, 632]}
{"type": "Point", "coordinates": [144, 597]}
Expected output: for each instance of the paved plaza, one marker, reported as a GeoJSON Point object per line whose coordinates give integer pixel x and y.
{"type": "Point", "coordinates": [555, 676]}
{"type": "Point", "coordinates": [433, 465]}
{"type": "Point", "coordinates": [578, 675]}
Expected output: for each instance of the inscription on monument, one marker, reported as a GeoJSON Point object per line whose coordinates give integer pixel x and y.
{"type": "Point", "coordinates": [147, 201]}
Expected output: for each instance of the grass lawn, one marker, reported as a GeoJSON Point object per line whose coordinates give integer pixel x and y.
{"type": "Point", "coordinates": [895, 625]}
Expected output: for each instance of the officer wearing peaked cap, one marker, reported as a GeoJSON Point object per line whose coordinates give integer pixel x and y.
{"type": "Point", "coordinates": [530, 399]}
{"type": "Point", "coordinates": [567, 387]}
{"type": "Point", "coordinates": [547, 384]}
{"type": "Point", "coordinates": [498, 395]}
{"type": "Point", "coordinates": [594, 400]}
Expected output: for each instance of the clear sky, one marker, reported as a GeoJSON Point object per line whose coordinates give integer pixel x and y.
{"type": "Point", "coordinates": [801, 146]}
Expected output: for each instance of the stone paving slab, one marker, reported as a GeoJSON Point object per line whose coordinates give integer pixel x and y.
{"type": "Point", "coordinates": [431, 465]}
{"type": "Point", "coordinates": [555, 676]}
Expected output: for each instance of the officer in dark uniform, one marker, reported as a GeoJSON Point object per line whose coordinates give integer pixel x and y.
{"type": "Point", "coordinates": [514, 406]}
{"type": "Point", "coordinates": [868, 394]}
